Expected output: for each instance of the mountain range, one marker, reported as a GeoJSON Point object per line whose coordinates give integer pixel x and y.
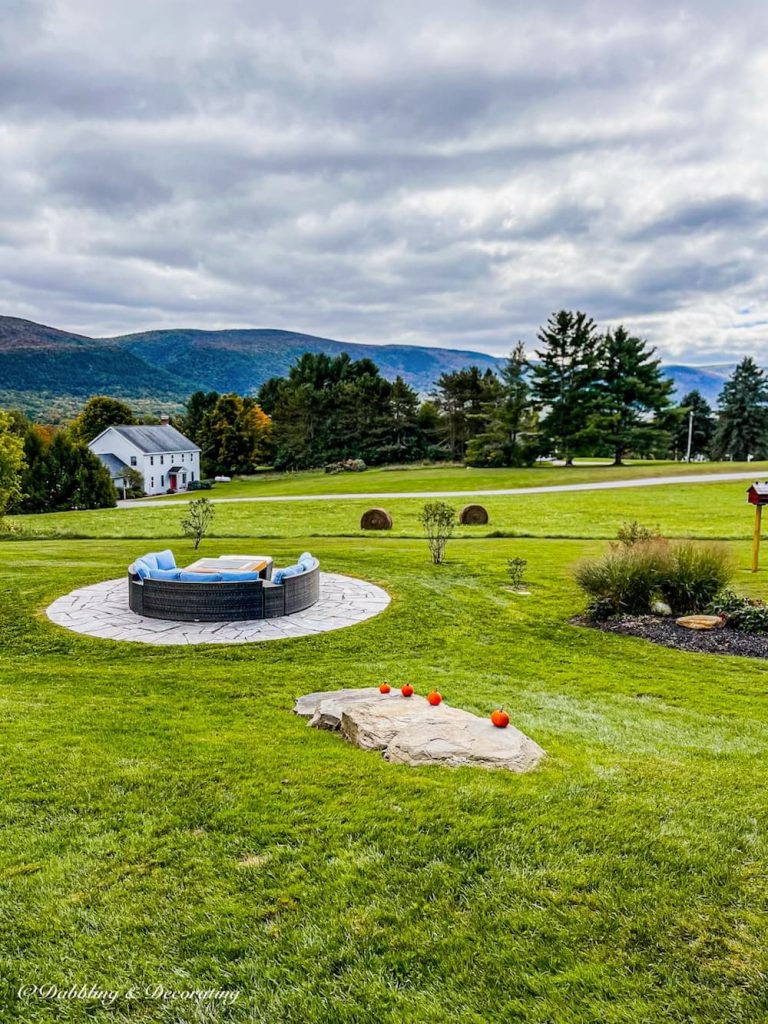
{"type": "Point", "coordinates": [49, 372]}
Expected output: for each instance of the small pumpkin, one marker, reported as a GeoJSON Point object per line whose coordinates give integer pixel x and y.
{"type": "Point", "coordinates": [385, 688]}
{"type": "Point", "coordinates": [434, 698]}
{"type": "Point", "coordinates": [407, 690]}
{"type": "Point", "coordinates": [500, 718]}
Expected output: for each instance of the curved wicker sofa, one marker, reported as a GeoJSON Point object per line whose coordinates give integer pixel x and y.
{"type": "Point", "coordinates": [223, 601]}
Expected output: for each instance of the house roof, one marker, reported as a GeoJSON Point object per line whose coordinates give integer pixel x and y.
{"type": "Point", "coordinates": [117, 468]}
{"type": "Point", "coordinates": [152, 440]}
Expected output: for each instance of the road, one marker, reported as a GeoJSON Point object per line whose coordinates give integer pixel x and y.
{"type": "Point", "coordinates": [602, 485]}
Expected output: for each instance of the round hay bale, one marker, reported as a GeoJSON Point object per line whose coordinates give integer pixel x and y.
{"type": "Point", "coordinates": [473, 515]}
{"type": "Point", "coordinates": [376, 519]}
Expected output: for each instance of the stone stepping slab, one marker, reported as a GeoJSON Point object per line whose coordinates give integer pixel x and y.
{"type": "Point", "coordinates": [409, 730]}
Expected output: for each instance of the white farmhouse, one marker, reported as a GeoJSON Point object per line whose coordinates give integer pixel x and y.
{"type": "Point", "coordinates": [165, 458]}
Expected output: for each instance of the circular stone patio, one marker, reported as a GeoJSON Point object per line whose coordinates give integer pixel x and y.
{"type": "Point", "coordinates": [102, 610]}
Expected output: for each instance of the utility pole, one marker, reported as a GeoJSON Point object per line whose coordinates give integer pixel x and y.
{"type": "Point", "coordinates": [690, 435]}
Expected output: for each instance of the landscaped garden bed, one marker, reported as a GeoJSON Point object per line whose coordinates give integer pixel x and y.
{"type": "Point", "coordinates": [665, 631]}
{"type": "Point", "coordinates": [648, 587]}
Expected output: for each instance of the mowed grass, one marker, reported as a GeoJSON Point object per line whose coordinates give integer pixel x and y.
{"type": "Point", "coordinates": [168, 821]}
{"type": "Point", "coordinates": [389, 479]}
{"type": "Point", "coordinates": [716, 510]}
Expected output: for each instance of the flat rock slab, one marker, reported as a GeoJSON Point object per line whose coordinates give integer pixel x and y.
{"type": "Point", "coordinates": [701, 622]}
{"type": "Point", "coordinates": [409, 730]}
{"type": "Point", "coordinates": [101, 610]}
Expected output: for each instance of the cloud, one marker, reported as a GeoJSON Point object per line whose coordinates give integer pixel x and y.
{"type": "Point", "coordinates": [436, 173]}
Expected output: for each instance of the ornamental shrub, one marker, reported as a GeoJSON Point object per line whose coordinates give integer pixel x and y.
{"type": "Point", "coordinates": [695, 575]}
{"type": "Point", "coordinates": [630, 578]}
{"type": "Point", "coordinates": [625, 581]}
{"type": "Point", "coordinates": [748, 615]}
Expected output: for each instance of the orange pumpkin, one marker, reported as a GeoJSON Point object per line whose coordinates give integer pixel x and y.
{"type": "Point", "coordinates": [385, 688]}
{"type": "Point", "coordinates": [434, 698]}
{"type": "Point", "coordinates": [407, 690]}
{"type": "Point", "coordinates": [500, 718]}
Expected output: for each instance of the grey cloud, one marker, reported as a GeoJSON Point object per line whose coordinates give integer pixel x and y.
{"type": "Point", "coordinates": [445, 173]}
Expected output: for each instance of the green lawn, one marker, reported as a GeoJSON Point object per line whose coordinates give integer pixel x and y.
{"type": "Point", "coordinates": [387, 479]}
{"type": "Point", "coordinates": [684, 509]}
{"type": "Point", "coordinates": [167, 820]}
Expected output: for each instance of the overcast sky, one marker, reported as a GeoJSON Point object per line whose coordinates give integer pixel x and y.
{"type": "Point", "coordinates": [438, 173]}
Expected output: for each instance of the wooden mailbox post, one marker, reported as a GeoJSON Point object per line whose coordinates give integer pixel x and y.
{"type": "Point", "coordinates": [757, 495]}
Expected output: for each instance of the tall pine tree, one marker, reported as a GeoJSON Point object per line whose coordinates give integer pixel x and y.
{"type": "Point", "coordinates": [631, 396]}
{"type": "Point", "coordinates": [507, 439]}
{"type": "Point", "coordinates": [564, 379]}
{"type": "Point", "coordinates": [693, 406]}
{"type": "Point", "coordinates": [742, 430]}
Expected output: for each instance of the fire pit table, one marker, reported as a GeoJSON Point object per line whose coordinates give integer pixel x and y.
{"type": "Point", "coordinates": [262, 564]}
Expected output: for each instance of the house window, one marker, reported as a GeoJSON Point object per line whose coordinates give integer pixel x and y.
{"type": "Point", "coordinates": [183, 478]}
{"type": "Point", "coordinates": [151, 460]}
{"type": "Point", "coordinates": [152, 481]}
{"type": "Point", "coordinates": [133, 460]}
{"type": "Point", "coordinates": [162, 480]}
{"type": "Point", "coordinates": [161, 460]}
{"type": "Point", "coordinates": [191, 476]}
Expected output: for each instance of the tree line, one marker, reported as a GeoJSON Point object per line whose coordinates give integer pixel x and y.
{"type": "Point", "coordinates": [582, 392]}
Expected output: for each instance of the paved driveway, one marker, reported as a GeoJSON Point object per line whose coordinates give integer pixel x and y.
{"type": "Point", "coordinates": [602, 485]}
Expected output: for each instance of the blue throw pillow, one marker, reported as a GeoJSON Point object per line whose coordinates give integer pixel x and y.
{"type": "Point", "coordinates": [141, 568]}
{"type": "Point", "coordinates": [200, 577]}
{"type": "Point", "coordinates": [150, 560]}
{"type": "Point", "coordinates": [307, 561]}
{"type": "Point", "coordinates": [165, 559]}
{"type": "Point", "coordinates": [240, 577]}
{"type": "Point", "coordinates": [165, 574]}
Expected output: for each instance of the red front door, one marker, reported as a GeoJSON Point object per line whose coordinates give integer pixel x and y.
{"type": "Point", "coordinates": [172, 481]}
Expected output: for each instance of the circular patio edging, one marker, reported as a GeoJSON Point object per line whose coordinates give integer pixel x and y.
{"type": "Point", "coordinates": [101, 610]}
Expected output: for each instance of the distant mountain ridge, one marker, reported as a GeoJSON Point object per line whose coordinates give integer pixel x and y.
{"type": "Point", "coordinates": [50, 372]}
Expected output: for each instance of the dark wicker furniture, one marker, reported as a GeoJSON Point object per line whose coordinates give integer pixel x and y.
{"type": "Point", "coordinates": [223, 602]}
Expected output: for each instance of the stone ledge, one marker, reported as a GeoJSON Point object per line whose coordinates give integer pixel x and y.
{"type": "Point", "coordinates": [412, 731]}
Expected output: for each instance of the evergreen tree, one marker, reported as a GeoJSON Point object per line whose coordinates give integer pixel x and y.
{"type": "Point", "coordinates": [97, 414]}
{"type": "Point", "coordinates": [33, 484]}
{"type": "Point", "coordinates": [330, 409]}
{"type": "Point", "coordinates": [60, 476]}
{"type": "Point", "coordinates": [742, 430]}
{"type": "Point", "coordinates": [507, 439]}
{"type": "Point", "coordinates": [631, 395]}
{"type": "Point", "coordinates": [198, 406]}
{"type": "Point", "coordinates": [703, 426]}
{"type": "Point", "coordinates": [466, 399]}
{"type": "Point", "coordinates": [563, 384]}
{"type": "Point", "coordinates": [406, 437]}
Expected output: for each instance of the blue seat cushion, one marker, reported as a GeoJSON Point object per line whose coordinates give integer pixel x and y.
{"type": "Point", "coordinates": [165, 574]}
{"type": "Point", "coordinates": [240, 577]}
{"type": "Point", "coordinates": [200, 577]}
{"type": "Point", "coordinates": [165, 559]}
{"type": "Point", "coordinates": [150, 560]}
{"type": "Point", "coordinates": [284, 574]}
{"type": "Point", "coordinates": [307, 561]}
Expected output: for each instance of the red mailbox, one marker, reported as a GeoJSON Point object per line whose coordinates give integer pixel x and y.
{"type": "Point", "coordinates": [757, 494]}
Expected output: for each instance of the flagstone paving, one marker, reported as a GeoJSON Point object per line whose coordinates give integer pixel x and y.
{"type": "Point", "coordinates": [101, 610]}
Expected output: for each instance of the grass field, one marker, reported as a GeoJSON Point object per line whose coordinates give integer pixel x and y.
{"type": "Point", "coordinates": [167, 820]}
{"type": "Point", "coordinates": [385, 480]}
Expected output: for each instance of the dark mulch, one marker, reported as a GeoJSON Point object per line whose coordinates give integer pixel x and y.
{"type": "Point", "coordinates": [669, 634]}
